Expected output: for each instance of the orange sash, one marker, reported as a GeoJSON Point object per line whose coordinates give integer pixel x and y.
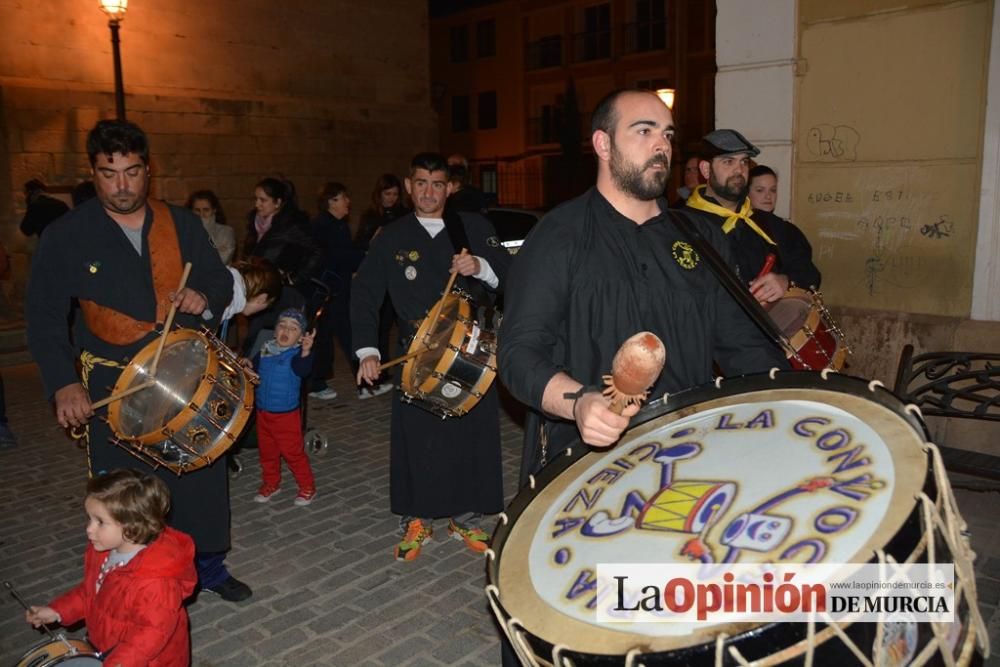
{"type": "Point", "coordinates": [118, 328]}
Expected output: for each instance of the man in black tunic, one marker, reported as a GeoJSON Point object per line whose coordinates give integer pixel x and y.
{"type": "Point", "coordinates": [122, 254]}
{"type": "Point", "coordinates": [604, 266]}
{"type": "Point", "coordinates": [753, 234]}
{"type": "Point", "coordinates": [438, 468]}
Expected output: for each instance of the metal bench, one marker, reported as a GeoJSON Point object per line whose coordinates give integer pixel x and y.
{"type": "Point", "coordinates": [954, 384]}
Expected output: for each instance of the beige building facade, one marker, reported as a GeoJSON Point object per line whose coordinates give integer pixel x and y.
{"type": "Point", "coordinates": [228, 92]}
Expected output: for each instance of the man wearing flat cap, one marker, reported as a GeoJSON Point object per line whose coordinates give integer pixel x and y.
{"type": "Point", "coordinates": [753, 235]}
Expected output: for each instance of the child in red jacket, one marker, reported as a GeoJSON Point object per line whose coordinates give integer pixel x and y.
{"type": "Point", "coordinates": [136, 574]}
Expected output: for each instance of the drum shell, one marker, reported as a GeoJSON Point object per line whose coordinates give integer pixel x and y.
{"type": "Point", "coordinates": [762, 641]}
{"type": "Point", "coordinates": [60, 651]}
{"type": "Point", "coordinates": [197, 425]}
{"type": "Point", "coordinates": [811, 331]}
{"type": "Point", "coordinates": [451, 384]}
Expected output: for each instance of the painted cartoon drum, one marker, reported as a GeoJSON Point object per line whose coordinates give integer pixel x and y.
{"type": "Point", "coordinates": [459, 362]}
{"type": "Point", "coordinates": [793, 469]}
{"type": "Point", "coordinates": [814, 335]}
{"type": "Point", "coordinates": [61, 651]}
{"type": "Point", "coordinates": [198, 407]}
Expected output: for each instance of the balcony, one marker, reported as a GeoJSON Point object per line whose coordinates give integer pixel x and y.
{"type": "Point", "coordinates": [545, 52]}
{"type": "Point", "coordinates": [591, 45]}
{"type": "Point", "coordinates": [644, 37]}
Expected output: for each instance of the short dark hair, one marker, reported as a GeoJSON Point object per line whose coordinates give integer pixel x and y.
{"type": "Point", "coordinates": [458, 174]}
{"type": "Point", "coordinates": [383, 183]}
{"type": "Point", "coordinates": [430, 161]}
{"type": "Point", "coordinates": [275, 189]}
{"type": "Point", "coordinates": [605, 115]}
{"type": "Point", "coordinates": [117, 136]}
{"type": "Point", "coordinates": [761, 170]}
{"type": "Point", "coordinates": [136, 500]}
{"type": "Point", "coordinates": [330, 190]}
{"type": "Point", "coordinates": [213, 201]}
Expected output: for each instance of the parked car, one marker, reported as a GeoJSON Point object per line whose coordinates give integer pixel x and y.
{"type": "Point", "coordinates": [512, 225]}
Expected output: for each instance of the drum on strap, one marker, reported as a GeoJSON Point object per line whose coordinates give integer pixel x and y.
{"type": "Point", "coordinates": [458, 363]}
{"type": "Point", "coordinates": [61, 651]}
{"type": "Point", "coordinates": [199, 404]}
{"type": "Point", "coordinates": [810, 328]}
{"type": "Point", "coordinates": [754, 470]}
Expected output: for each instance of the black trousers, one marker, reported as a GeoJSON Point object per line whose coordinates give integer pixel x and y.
{"type": "Point", "coordinates": [333, 325]}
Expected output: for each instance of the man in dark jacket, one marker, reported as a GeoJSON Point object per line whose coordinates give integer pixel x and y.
{"type": "Point", "coordinates": [122, 255]}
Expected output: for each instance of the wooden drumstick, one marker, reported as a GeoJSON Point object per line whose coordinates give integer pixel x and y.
{"type": "Point", "coordinates": [408, 356]}
{"type": "Point", "coordinates": [440, 304]}
{"type": "Point", "coordinates": [27, 607]}
{"type": "Point", "coordinates": [169, 323]}
{"type": "Point", "coordinates": [634, 369]}
{"type": "Point", "coordinates": [122, 394]}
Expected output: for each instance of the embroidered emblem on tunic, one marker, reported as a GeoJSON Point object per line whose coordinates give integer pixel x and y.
{"type": "Point", "coordinates": [414, 255]}
{"type": "Point", "coordinates": [93, 267]}
{"type": "Point", "coordinates": [684, 254]}
{"type": "Point", "coordinates": [410, 273]}
{"type": "Point", "coordinates": [493, 242]}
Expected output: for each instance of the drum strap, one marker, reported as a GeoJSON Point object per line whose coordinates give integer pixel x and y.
{"type": "Point", "coordinates": [730, 282]}
{"type": "Point", "coordinates": [117, 328]}
{"type": "Point", "coordinates": [87, 363]}
{"type": "Point", "coordinates": [459, 239]}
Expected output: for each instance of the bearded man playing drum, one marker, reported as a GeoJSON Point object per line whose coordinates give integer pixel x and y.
{"type": "Point", "coordinates": [438, 467]}
{"type": "Point", "coordinates": [753, 234]}
{"type": "Point", "coordinates": [122, 255]}
{"type": "Point", "coordinates": [603, 267]}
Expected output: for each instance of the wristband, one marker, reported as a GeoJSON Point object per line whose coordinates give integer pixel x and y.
{"type": "Point", "coordinates": [575, 396]}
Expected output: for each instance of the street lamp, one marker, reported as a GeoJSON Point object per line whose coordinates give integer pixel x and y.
{"type": "Point", "coordinates": [665, 94]}
{"type": "Point", "coordinates": [115, 9]}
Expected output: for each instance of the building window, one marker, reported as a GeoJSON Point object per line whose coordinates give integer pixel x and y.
{"type": "Point", "coordinates": [487, 110]}
{"type": "Point", "coordinates": [652, 84]}
{"type": "Point", "coordinates": [486, 38]}
{"type": "Point", "coordinates": [650, 30]}
{"type": "Point", "coordinates": [546, 52]}
{"type": "Point", "coordinates": [459, 43]}
{"type": "Point", "coordinates": [460, 113]}
{"type": "Point", "coordinates": [488, 178]}
{"type": "Point", "coordinates": [594, 43]}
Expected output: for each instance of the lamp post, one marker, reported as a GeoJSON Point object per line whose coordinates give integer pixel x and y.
{"type": "Point", "coordinates": [667, 95]}
{"type": "Point", "coordinates": [115, 9]}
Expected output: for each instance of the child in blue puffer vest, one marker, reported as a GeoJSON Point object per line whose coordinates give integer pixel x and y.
{"type": "Point", "coordinates": [282, 364]}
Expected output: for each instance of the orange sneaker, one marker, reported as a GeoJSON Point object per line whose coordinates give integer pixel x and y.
{"type": "Point", "coordinates": [417, 533]}
{"type": "Point", "coordinates": [475, 539]}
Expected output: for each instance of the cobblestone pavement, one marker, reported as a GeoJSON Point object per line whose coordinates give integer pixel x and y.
{"type": "Point", "coordinates": [326, 588]}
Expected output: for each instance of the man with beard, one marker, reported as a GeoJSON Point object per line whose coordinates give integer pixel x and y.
{"type": "Point", "coordinates": [122, 255]}
{"type": "Point", "coordinates": [753, 234]}
{"type": "Point", "coordinates": [604, 266]}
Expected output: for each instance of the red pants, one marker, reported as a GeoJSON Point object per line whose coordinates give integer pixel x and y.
{"type": "Point", "coordinates": [279, 435]}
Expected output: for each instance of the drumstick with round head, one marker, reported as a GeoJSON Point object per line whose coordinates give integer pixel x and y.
{"type": "Point", "coordinates": [169, 322]}
{"type": "Point", "coordinates": [634, 369]}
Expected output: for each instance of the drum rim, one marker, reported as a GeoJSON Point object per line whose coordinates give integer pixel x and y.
{"type": "Point", "coordinates": [84, 648]}
{"type": "Point", "coordinates": [215, 359]}
{"type": "Point", "coordinates": [673, 403]}
{"type": "Point", "coordinates": [140, 359]}
{"type": "Point", "coordinates": [406, 380]}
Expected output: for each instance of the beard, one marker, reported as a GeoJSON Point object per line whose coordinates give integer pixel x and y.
{"type": "Point", "coordinates": [633, 179]}
{"type": "Point", "coordinates": [734, 190]}
{"type": "Point", "coordinates": [123, 201]}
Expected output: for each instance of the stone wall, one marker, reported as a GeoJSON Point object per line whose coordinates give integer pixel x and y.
{"type": "Point", "coordinates": [228, 91]}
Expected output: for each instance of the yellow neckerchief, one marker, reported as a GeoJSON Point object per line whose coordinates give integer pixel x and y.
{"type": "Point", "coordinates": [702, 204]}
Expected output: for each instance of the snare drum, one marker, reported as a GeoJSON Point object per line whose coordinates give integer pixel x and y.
{"type": "Point", "coordinates": [699, 480]}
{"type": "Point", "coordinates": [817, 340]}
{"type": "Point", "coordinates": [61, 651]}
{"type": "Point", "coordinates": [459, 362]}
{"type": "Point", "coordinates": [199, 405]}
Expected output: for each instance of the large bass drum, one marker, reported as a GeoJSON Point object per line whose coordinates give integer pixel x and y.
{"type": "Point", "coordinates": [789, 468]}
